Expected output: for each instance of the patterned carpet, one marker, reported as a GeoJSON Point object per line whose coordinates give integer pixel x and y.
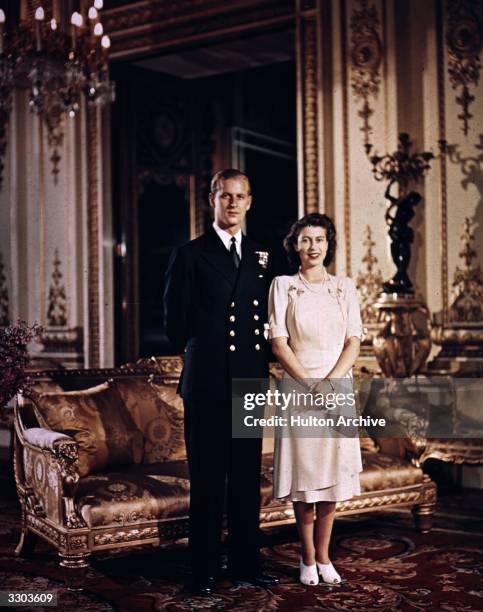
{"type": "Point", "coordinates": [386, 564]}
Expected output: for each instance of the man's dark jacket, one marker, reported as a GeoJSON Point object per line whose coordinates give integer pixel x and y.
{"type": "Point", "coordinates": [217, 312]}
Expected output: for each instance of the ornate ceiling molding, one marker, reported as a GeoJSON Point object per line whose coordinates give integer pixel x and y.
{"type": "Point", "coordinates": [143, 27]}
{"type": "Point", "coordinates": [463, 44]}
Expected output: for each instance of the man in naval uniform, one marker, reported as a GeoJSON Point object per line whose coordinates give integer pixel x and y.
{"type": "Point", "coordinates": [216, 306]}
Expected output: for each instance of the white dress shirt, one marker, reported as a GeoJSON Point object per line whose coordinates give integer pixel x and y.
{"type": "Point", "coordinates": [226, 238]}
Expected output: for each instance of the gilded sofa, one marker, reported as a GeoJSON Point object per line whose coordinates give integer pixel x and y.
{"type": "Point", "coordinates": [80, 510]}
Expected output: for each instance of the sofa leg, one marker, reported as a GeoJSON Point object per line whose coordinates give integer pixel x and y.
{"type": "Point", "coordinates": [27, 543]}
{"type": "Point", "coordinates": [74, 569]}
{"type": "Point", "coordinates": [423, 517]}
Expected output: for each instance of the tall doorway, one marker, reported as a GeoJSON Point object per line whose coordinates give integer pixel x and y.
{"type": "Point", "coordinates": [179, 118]}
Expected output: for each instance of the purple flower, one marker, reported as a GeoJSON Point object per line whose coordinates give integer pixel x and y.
{"type": "Point", "coordinates": [14, 358]}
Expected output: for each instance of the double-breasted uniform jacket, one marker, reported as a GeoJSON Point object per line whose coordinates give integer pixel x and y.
{"type": "Point", "coordinates": [216, 313]}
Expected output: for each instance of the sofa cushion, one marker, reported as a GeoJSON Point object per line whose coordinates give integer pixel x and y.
{"type": "Point", "coordinates": [99, 422]}
{"type": "Point", "coordinates": [130, 497]}
{"type": "Point", "coordinates": [174, 415]}
{"type": "Point", "coordinates": [179, 469]}
{"type": "Point", "coordinates": [157, 410]}
{"type": "Point", "coordinates": [380, 472]}
{"type": "Point", "coordinates": [161, 490]}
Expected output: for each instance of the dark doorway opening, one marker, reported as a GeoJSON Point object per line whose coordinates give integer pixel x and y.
{"type": "Point", "coordinates": [178, 119]}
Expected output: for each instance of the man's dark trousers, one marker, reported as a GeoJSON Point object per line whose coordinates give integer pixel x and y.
{"type": "Point", "coordinates": [221, 468]}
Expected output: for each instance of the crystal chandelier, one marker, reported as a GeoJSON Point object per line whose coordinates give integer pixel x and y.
{"type": "Point", "coordinates": [57, 67]}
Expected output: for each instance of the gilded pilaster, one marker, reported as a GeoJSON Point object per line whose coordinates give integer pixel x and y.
{"type": "Point", "coordinates": [309, 104]}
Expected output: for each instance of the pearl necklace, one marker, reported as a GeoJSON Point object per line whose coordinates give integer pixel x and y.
{"type": "Point", "coordinates": [332, 290]}
{"type": "Point", "coordinates": [314, 287]}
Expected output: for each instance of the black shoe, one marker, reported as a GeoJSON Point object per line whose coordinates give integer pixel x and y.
{"type": "Point", "coordinates": [260, 579]}
{"type": "Point", "coordinates": [203, 585]}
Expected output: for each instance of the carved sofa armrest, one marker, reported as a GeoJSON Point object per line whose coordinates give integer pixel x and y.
{"type": "Point", "coordinates": [406, 436]}
{"type": "Point", "coordinates": [406, 448]}
{"type": "Point", "coordinates": [46, 473]}
{"type": "Point", "coordinates": [45, 439]}
{"type": "Point", "coordinates": [405, 433]}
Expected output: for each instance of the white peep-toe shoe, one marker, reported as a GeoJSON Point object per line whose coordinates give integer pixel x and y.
{"type": "Point", "coordinates": [329, 573]}
{"type": "Point", "coordinates": [308, 574]}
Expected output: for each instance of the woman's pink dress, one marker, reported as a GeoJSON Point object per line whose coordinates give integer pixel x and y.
{"type": "Point", "coordinates": [317, 318]}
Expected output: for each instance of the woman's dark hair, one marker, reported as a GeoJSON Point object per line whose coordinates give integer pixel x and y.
{"type": "Point", "coordinates": [312, 220]}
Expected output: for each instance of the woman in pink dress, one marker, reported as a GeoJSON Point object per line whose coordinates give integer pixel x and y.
{"type": "Point", "coordinates": [315, 330]}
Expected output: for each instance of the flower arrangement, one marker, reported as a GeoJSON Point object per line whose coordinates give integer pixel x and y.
{"type": "Point", "coordinates": [14, 357]}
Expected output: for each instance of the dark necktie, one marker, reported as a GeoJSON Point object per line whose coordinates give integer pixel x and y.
{"type": "Point", "coordinates": [234, 252]}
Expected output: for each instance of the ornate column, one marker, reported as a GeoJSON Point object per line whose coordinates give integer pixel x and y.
{"type": "Point", "coordinates": [310, 124]}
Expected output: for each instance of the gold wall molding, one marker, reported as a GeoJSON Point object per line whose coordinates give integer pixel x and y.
{"type": "Point", "coordinates": [442, 161]}
{"type": "Point", "coordinates": [345, 139]}
{"type": "Point", "coordinates": [308, 100]}
{"type": "Point", "coordinates": [60, 343]}
{"type": "Point", "coordinates": [4, 301]}
{"type": "Point", "coordinates": [369, 280]}
{"type": "Point", "coordinates": [463, 45]}
{"type": "Point", "coordinates": [93, 247]}
{"type": "Point", "coordinates": [55, 123]}
{"type": "Point", "coordinates": [385, 73]}
{"type": "Point", "coordinates": [42, 217]}
{"type": "Point", "coordinates": [467, 307]}
{"type": "Point", "coordinates": [365, 60]}
{"type": "Point", "coordinates": [57, 301]}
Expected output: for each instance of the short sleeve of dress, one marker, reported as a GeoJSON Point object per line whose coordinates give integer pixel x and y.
{"type": "Point", "coordinates": [354, 321]}
{"type": "Point", "coordinates": [277, 309]}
